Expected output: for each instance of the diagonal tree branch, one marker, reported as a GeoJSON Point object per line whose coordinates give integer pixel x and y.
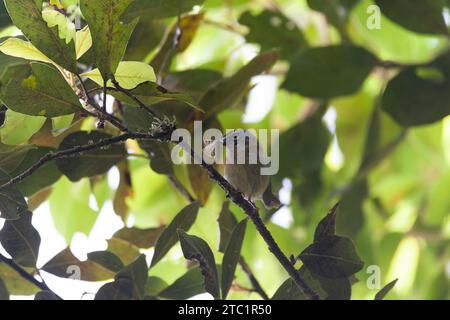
{"type": "Point", "coordinates": [249, 208]}
{"type": "Point", "coordinates": [163, 135]}
{"type": "Point", "coordinates": [255, 283]}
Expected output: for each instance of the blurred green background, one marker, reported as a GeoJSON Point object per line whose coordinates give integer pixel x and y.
{"type": "Point", "coordinates": [393, 182]}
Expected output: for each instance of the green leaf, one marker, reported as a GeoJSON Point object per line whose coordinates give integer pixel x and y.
{"type": "Point", "coordinates": [46, 295]}
{"type": "Point", "coordinates": [333, 289]}
{"type": "Point", "coordinates": [27, 16]}
{"type": "Point", "coordinates": [195, 248]}
{"type": "Point", "coordinates": [44, 93]}
{"type": "Point", "coordinates": [385, 290]}
{"type": "Point", "coordinates": [141, 238]}
{"type": "Point", "coordinates": [337, 12]}
{"type": "Point", "coordinates": [332, 257]}
{"type": "Point", "coordinates": [412, 99]}
{"type": "Point", "coordinates": [137, 273]}
{"type": "Point", "coordinates": [158, 9]}
{"type": "Point", "coordinates": [154, 286]}
{"type": "Point", "coordinates": [83, 41]}
{"type": "Point", "coordinates": [106, 259]}
{"type": "Point", "coordinates": [185, 287]}
{"type": "Point", "coordinates": [138, 119]}
{"type": "Point", "coordinates": [110, 36]}
{"type": "Point", "coordinates": [351, 211]}
{"type": "Point", "coordinates": [14, 283]}
{"type": "Point", "coordinates": [21, 240]}
{"type": "Point", "coordinates": [121, 289]}
{"type": "Point", "coordinates": [4, 294]}
{"type": "Point", "coordinates": [66, 265]}
{"type": "Point", "coordinates": [227, 222]}
{"type": "Point", "coordinates": [273, 30]}
{"type": "Point", "coordinates": [72, 214]}
{"type": "Point", "coordinates": [329, 72]}
{"type": "Point", "coordinates": [228, 92]}
{"type": "Point", "coordinates": [159, 155]}
{"type": "Point", "coordinates": [44, 177]}
{"type": "Point", "coordinates": [200, 182]}
{"type": "Point", "coordinates": [231, 256]}
{"type": "Point", "coordinates": [129, 284]}
{"type": "Point", "coordinates": [12, 156]}
{"type": "Point", "coordinates": [28, 125]}
{"type": "Point", "coordinates": [150, 94]}
{"type": "Point", "coordinates": [194, 82]}
{"type": "Point", "coordinates": [19, 48]}
{"type": "Point", "coordinates": [415, 15]}
{"type": "Point", "coordinates": [89, 163]}
{"type": "Point", "coordinates": [290, 291]}
{"type": "Point", "coordinates": [126, 251]}
{"type": "Point", "coordinates": [303, 148]}
{"type": "Point", "coordinates": [129, 74]}
{"type": "Point", "coordinates": [146, 37]}
{"type": "Point", "coordinates": [12, 203]}
{"type": "Point", "coordinates": [327, 226]}
{"type": "Point", "coordinates": [66, 28]}
{"type": "Point", "coordinates": [168, 238]}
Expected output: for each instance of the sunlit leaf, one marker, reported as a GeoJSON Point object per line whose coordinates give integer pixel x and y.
{"type": "Point", "coordinates": [27, 16]}
{"type": "Point", "coordinates": [19, 48]}
{"type": "Point", "coordinates": [83, 41]}
{"type": "Point", "coordinates": [28, 126]}
{"type": "Point", "coordinates": [129, 74]}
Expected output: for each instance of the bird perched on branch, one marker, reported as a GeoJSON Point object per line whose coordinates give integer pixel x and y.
{"type": "Point", "coordinates": [244, 159]}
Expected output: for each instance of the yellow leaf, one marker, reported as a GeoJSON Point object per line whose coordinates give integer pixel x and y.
{"type": "Point", "coordinates": [129, 74]}
{"type": "Point", "coordinates": [23, 49]}
{"type": "Point", "coordinates": [57, 4]}
{"type": "Point", "coordinates": [66, 27]}
{"type": "Point", "coordinates": [83, 41]}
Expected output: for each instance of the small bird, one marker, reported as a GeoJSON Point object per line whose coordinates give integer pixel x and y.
{"type": "Point", "coordinates": [245, 175]}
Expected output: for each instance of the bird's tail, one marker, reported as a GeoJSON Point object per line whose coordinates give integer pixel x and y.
{"type": "Point", "coordinates": [269, 199]}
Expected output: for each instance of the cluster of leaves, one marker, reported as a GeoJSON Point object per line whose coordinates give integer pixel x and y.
{"type": "Point", "coordinates": [54, 80]}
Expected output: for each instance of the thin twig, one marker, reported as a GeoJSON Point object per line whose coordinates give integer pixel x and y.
{"type": "Point", "coordinates": [181, 188]}
{"type": "Point", "coordinates": [255, 283]}
{"type": "Point", "coordinates": [25, 275]}
{"type": "Point", "coordinates": [164, 135]}
{"type": "Point", "coordinates": [138, 101]}
{"type": "Point", "coordinates": [102, 114]}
